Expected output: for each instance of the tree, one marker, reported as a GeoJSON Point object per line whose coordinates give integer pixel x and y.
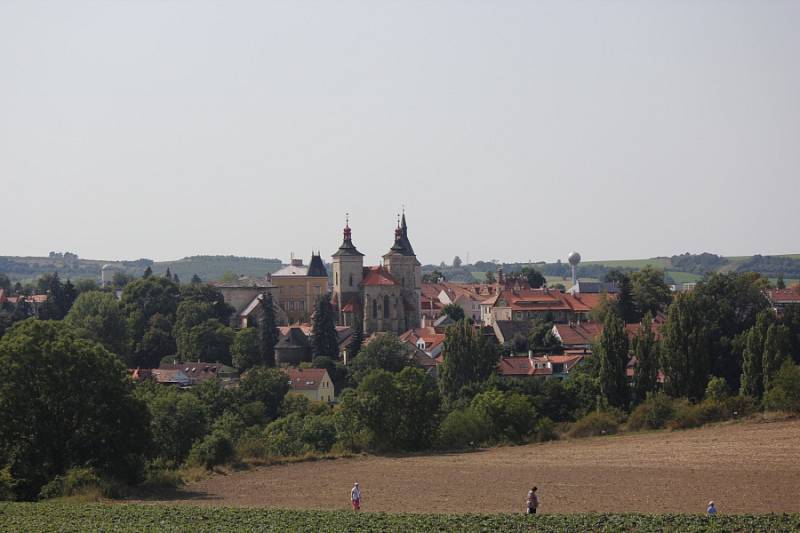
{"type": "Point", "coordinates": [468, 359]}
{"type": "Point", "coordinates": [65, 402]}
{"type": "Point", "coordinates": [777, 348]}
{"type": "Point", "coordinates": [534, 278]}
{"type": "Point", "coordinates": [268, 330]}
{"type": "Point", "coordinates": [209, 295]}
{"type": "Point", "coordinates": [507, 415]}
{"type": "Point", "coordinates": [176, 280]}
{"type": "Point", "coordinates": [686, 347]}
{"type": "Point", "coordinates": [324, 339]}
{"type": "Point", "coordinates": [246, 349]}
{"type": "Point", "coordinates": [86, 285]}
{"type": "Point", "coordinates": [209, 342]}
{"type": "Point", "coordinates": [265, 386]}
{"type": "Point", "coordinates": [177, 422]}
{"type": "Point", "coordinates": [489, 278]}
{"type": "Point", "coordinates": [650, 293]}
{"type": "Point", "coordinates": [784, 395]}
{"type": "Point", "coordinates": [196, 279]}
{"type": "Point", "coordinates": [143, 298]}
{"type": "Point", "coordinates": [98, 316]}
{"type": "Point", "coordinates": [542, 338]}
{"type": "Point", "coordinates": [612, 353]}
{"type": "Point", "coordinates": [433, 277]}
{"type": "Point", "coordinates": [156, 343]}
{"type": "Point", "coordinates": [780, 284]}
{"type": "Point", "coordinates": [419, 409]}
{"type": "Point", "coordinates": [456, 262]}
{"type": "Point", "coordinates": [356, 339]}
{"type": "Point", "coordinates": [168, 274]}
{"type": "Point", "coordinates": [384, 352]}
{"type": "Point", "coordinates": [190, 313]}
{"type": "Point", "coordinates": [59, 296]}
{"type": "Point", "coordinates": [5, 283]}
{"type": "Point", "coordinates": [625, 304]}
{"type": "Point", "coordinates": [454, 311]}
{"type": "Point", "coordinates": [752, 381]}
{"type": "Point", "coordinates": [120, 279]}
{"type": "Point", "coordinates": [645, 377]}
{"type": "Point", "coordinates": [147, 273]}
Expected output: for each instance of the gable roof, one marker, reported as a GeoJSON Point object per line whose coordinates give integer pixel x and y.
{"type": "Point", "coordinates": [293, 338]}
{"type": "Point", "coordinates": [307, 378]}
{"type": "Point", "coordinates": [316, 268]}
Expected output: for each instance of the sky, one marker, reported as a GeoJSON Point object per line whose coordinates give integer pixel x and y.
{"type": "Point", "coordinates": [509, 130]}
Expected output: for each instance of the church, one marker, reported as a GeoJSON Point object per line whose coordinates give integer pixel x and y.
{"type": "Point", "coordinates": [386, 298]}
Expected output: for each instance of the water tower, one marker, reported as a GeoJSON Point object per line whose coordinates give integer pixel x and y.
{"type": "Point", "coordinates": [107, 275]}
{"type": "Point", "coordinates": [574, 258]}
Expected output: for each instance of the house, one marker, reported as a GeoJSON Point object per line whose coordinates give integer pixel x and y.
{"type": "Point", "coordinates": [198, 372]}
{"type": "Point", "coordinates": [32, 305]}
{"type": "Point", "coordinates": [594, 287]}
{"type": "Point", "coordinates": [293, 347]}
{"type": "Point", "coordinates": [544, 366]}
{"type": "Point", "coordinates": [344, 334]}
{"type": "Point", "coordinates": [428, 339]}
{"type": "Point", "coordinates": [506, 330]}
{"type": "Point", "coordinates": [582, 336]}
{"type": "Point", "coordinates": [782, 298]}
{"type": "Point", "coordinates": [520, 304]}
{"type": "Point", "coordinates": [245, 296]}
{"type": "Point", "coordinates": [313, 383]}
{"type": "Point", "coordinates": [298, 287]}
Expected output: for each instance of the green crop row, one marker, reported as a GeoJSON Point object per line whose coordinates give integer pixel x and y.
{"type": "Point", "coordinates": [163, 519]}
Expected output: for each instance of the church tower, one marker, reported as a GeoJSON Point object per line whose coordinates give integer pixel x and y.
{"type": "Point", "coordinates": [402, 264]}
{"type": "Point", "coordinates": [348, 270]}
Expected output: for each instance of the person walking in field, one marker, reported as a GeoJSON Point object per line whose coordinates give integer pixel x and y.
{"type": "Point", "coordinates": [533, 501]}
{"type": "Point", "coordinates": [355, 497]}
{"type": "Point", "coordinates": [712, 509]}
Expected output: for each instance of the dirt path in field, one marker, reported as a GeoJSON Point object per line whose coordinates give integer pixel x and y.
{"type": "Point", "coordinates": [746, 468]}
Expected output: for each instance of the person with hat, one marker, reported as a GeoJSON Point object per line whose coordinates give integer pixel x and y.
{"type": "Point", "coordinates": [355, 497]}
{"type": "Point", "coordinates": [712, 509]}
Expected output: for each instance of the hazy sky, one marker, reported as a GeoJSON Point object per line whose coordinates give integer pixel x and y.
{"type": "Point", "coordinates": [510, 130]}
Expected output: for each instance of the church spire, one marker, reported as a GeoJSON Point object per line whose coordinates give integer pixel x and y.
{"type": "Point", "coordinates": [347, 247]}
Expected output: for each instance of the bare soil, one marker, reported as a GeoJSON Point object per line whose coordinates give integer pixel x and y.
{"type": "Point", "coordinates": [748, 467]}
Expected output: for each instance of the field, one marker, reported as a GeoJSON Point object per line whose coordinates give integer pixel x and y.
{"type": "Point", "coordinates": [747, 467]}
{"type": "Point", "coordinates": [165, 519]}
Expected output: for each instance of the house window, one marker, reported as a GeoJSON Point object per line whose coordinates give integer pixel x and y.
{"type": "Point", "coordinates": [385, 307]}
{"type": "Point", "coordinates": [374, 308]}
{"type": "Point", "coordinates": [337, 279]}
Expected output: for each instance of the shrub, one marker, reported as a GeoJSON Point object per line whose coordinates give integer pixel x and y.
{"type": "Point", "coordinates": [653, 413]}
{"type": "Point", "coordinates": [215, 449]}
{"type": "Point", "coordinates": [740, 405]}
{"type": "Point", "coordinates": [594, 424]}
{"type": "Point", "coordinates": [717, 389]}
{"type": "Point", "coordinates": [76, 481]}
{"type": "Point", "coordinates": [7, 484]}
{"type": "Point", "coordinates": [508, 415]}
{"type": "Point", "coordinates": [461, 428]}
{"type": "Point", "coordinates": [159, 474]}
{"type": "Point", "coordinates": [544, 430]}
{"type": "Point", "coordinates": [785, 392]}
{"type": "Point", "coordinates": [689, 415]}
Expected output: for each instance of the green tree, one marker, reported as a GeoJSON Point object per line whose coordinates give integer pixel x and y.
{"type": "Point", "coordinates": [356, 339]}
{"type": "Point", "coordinates": [784, 395]}
{"type": "Point", "coordinates": [625, 304]}
{"type": "Point", "coordinates": [468, 359]}
{"type": "Point", "coordinates": [265, 386]}
{"type": "Point", "coordinates": [246, 349]}
{"type": "Point", "coordinates": [454, 311]}
{"type": "Point", "coordinates": [177, 422]}
{"type": "Point", "coordinates": [120, 279]}
{"type": "Point", "coordinates": [650, 292]}
{"type": "Point", "coordinates": [456, 262]}
{"type": "Point", "coordinates": [646, 350]}
{"type": "Point", "coordinates": [686, 347]}
{"type": "Point", "coordinates": [489, 278]}
{"type": "Point", "coordinates": [190, 314]}
{"type": "Point", "coordinates": [777, 348]}
{"type": "Point", "coordinates": [542, 338]}
{"type": "Point", "coordinates": [98, 316]}
{"type": "Point", "coordinates": [5, 283]}
{"type": "Point", "coordinates": [195, 279]}
{"type": "Point", "coordinates": [419, 409]}
{"type": "Point", "coordinates": [780, 284]}
{"type": "Point", "coordinates": [210, 342]}
{"type": "Point", "coordinates": [147, 273]}
{"type": "Point", "coordinates": [202, 293]}
{"type": "Point", "coordinates": [65, 402]}
{"type": "Point", "coordinates": [324, 339]}
{"type": "Point", "coordinates": [752, 381]}
{"type": "Point", "coordinates": [384, 352]}
{"type": "Point", "coordinates": [86, 285]}
{"type": "Point", "coordinates": [268, 329]}
{"type": "Point", "coordinates": [156, 343]}
{"type": "Point", "coordinates": [143, 298]}
{"type": "Point", "coordinates": [506, 415]}
{"type": "Point", "coordinates": [534, 278]}
{"type": "Point", "coordinates": [60, 296]}
{"type": "Point", "coordinates": [612, 353]}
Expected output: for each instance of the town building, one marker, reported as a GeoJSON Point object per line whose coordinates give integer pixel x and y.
{"type": "Point", "coordinates": [385, 297]}
{"type": "Point", "coordinates": [313, 383]}
{"type": "Point", "coordinates": [298, 287]}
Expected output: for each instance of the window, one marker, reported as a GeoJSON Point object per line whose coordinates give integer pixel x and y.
{"type": "Point", "coordinates": [351, 280]}
{"type": "Point", "coordinates": [337, 279]}
{"type": "Point", "coordinates": [385, 307]}
{"type": "Point", "coordinates": [374, 308]}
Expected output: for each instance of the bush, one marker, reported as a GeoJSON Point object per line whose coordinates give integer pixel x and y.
{"type": "Point", "coordinates": [689, 415]}
{"type": "Point", "coordinates": [160, 474]}
{"type": "Point", "coordinates": [544, 430]}
{"type": "Point", "coordinates": [717, 389]}
{"type": "Point", "coordinates": [508, 415]}
{"type": "Point", "coordinates": [76, 481]}
{"type": "Point", "coordinates": [785, 392]}
{"type": "Point", "coordinates": [7, 485]}
{"type": "Point", "coordinates": [215, 449]}
{"type": "Point", "coordinates": [653, 413]}
{"type": "Point", "coordinates": [740, 405]}
{"type": "Point", "coordinates": [594, 424]}
{"type": "Point", "coordinates": [461, 428]}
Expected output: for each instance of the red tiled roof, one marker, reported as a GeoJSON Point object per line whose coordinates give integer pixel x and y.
{"type": "Point", "coordinates": [377, 275]}
{"type": "Point", "coordinates": [577, 334]}
{"type": "Point", "coordinates": [306, 378]}
{"type": "Point", "coordinates": [784, 296]}
{"type": "Point", "coordinates": [524, 366]}
{"type": "Point", "coordinates": [432, 337]}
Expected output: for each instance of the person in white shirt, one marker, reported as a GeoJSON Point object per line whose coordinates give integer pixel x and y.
{"type": "Point", "coordinates": [355, 497]}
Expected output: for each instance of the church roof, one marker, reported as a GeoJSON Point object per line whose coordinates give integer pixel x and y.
{"type": "Point", "coordinates": [377, 275]}
{"type": "Point", "coordinates": [347, 247]}
{"type": "Point", "coordinates": [317, 268]}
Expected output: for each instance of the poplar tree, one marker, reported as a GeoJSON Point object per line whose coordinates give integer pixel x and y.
{"type": "Point", "coordinates": [613, 357]}
{"type": "Point", "coordinates": [686, 348]}
{"type": "Point", "coordinates": [777, 346]}
{"type": "Point", "coordinates": [325, 340]}
{"type": "Point", "coordinates": [646, 352]}
{"type": "Point", "coordinates": [268, 329]}
{"type": "Point", "coordinates": [752, 382]}
{"type": "Point", "coordinates": [468, 358]}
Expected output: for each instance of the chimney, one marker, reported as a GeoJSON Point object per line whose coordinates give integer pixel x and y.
{"type": "Point", "coordinates": [424, 323]}
{"type": "Point", "coordinates": [530, 358]}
